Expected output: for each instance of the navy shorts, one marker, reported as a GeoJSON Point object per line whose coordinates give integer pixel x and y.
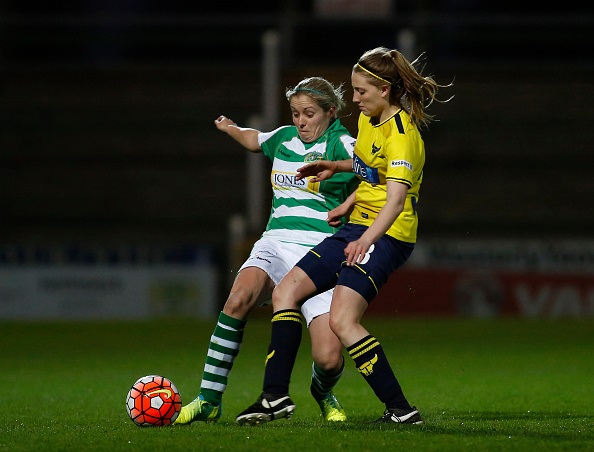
{"type": "Point", "coordinates": [326, 265]}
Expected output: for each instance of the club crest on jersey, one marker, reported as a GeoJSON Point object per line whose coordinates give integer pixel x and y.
{"type": "Point", "coordinates": [311, 157]}
{"type": "Point", "coordinates": [375, 149]}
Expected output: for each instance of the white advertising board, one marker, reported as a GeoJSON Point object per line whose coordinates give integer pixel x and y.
{"type": "Point", "coordinates": [104, 292]}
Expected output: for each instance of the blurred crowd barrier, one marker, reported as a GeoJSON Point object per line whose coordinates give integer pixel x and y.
{"type": "Point", "coordinates": [480, 278]}
{"type": "Point", "coordinates": [73, 282]}
{"type": "Point", "coordinates": [455, 277]}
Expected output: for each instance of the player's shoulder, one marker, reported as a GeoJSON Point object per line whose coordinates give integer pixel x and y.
{"type": "Point", "coordinates": [341, 144]}
{"type": "Point", "coordinates": [403, 122]}
{"type": "Point", "coordinates": [348, 144]}
{"type": "Point", "coordinates": [279, 132]}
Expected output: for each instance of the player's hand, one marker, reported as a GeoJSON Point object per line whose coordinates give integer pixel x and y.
{"type": "Point", "coordinates": [335, 215]}
{"type": "Point", "coordinates": [222, 122]}
{"type": "Point", "coordinates": [355, 251]}
{"type": "Point", "coordinates": [319, 171]}
{"type": "Point", "coordinates": [334, 219]}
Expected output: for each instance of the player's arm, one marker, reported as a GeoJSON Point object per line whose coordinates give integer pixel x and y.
{"type": "Point", "coordinates": [324, 169]}
{"type": "Point", "coordinates": [245, 136]}
{"type": "Point", "coordinates": [343, 210]}
{"type": "Point", "coordinates": [396, 196]}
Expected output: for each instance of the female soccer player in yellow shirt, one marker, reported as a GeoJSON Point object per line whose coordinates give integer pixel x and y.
{"type": "Point", "coordinates": [388, 159]}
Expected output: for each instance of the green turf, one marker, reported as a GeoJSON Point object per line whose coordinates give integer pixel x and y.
{"type": "Point", "coordinates": [506, 384]}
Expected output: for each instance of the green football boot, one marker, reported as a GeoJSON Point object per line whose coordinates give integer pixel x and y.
{"type": "Point", "coordinates": [198, 410]}
{"type": "Point", "coordinates": [331, 408]}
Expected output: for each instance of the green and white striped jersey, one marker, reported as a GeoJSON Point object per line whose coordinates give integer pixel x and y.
{"type": "Point", "coordinates": [300, 208]}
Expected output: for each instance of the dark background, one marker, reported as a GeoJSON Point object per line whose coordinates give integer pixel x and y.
{"type": "Point", "coordinates": [107, 109]}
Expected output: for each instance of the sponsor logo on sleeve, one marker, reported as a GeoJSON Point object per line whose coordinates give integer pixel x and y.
{"type": "Point", "coordinates": [395, 163]}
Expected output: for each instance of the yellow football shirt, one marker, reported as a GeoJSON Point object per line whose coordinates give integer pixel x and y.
{"type": "Point", "coordinates": [392, 150]}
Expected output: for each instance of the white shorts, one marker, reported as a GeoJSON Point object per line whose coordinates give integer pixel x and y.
{"type": "Point", "coordinates": [276, 259]}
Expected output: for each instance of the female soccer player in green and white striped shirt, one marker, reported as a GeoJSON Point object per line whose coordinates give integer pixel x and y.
{"type": "Point", "coordinates": [298, 221]}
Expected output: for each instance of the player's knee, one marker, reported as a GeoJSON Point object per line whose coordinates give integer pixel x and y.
{"type": "Point", "coordinates": [239, 303]}
{"type": "Point", "coordinates": [339, 326]}
{"type": "Point", "coordinates": [283, 298]}
{"type": "Point", "coordinates": [330, 363]}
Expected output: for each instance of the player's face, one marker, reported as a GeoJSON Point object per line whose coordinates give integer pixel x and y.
{"type": "Point", "coordinates": [309, 118]}
{"type": "Point", "coordinates": [370, 99]}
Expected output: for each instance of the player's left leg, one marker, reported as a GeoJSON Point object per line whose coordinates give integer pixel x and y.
{"type": "Point", "coordinates": [369, 357]}
{"type": "Point", "coordinates": [356, 287]}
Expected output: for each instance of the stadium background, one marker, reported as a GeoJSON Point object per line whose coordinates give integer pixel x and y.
{"type": "Point", "coordinates": [118, 195]}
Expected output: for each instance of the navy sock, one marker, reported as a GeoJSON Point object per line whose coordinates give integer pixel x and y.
{"type": "Point", "coordinates": [372, 363]}
{"type": "Point", "coordinates": [284, 343]}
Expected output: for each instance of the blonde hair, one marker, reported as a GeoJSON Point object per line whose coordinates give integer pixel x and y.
{"type": "Point", "coordinates": [408, 87]}
{"type": "Point", "coordinates": [321, 91]}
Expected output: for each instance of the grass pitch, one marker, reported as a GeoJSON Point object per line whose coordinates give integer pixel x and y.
{"type": "Point", "coordinates": [504, 384]}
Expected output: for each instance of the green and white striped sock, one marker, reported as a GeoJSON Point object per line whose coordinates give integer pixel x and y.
{"type": "Point", "coordinates": [225, 343]}
{"type": "Point", "coordinates": [323, 383]}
